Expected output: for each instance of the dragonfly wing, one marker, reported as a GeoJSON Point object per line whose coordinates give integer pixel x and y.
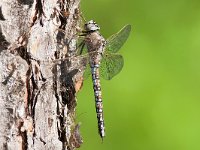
{"type": "Point", "coordinates": [81, 48]}
{"type": "Point", "coordinates": [116, 41]}
{"type": "Point", "coordinates": [87, 72]}
{"type": "Point", "coordinates": [111, 65]}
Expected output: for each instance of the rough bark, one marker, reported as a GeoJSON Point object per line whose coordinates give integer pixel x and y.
{"type": "Point", "coordinates": [38, 80]}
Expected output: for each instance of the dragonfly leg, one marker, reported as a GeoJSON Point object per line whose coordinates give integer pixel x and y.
{"type": "Point", "coordinates": [84, 33]}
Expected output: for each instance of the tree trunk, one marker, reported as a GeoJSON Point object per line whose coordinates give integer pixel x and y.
{"type": "Point", "coordinates": [38, 80]}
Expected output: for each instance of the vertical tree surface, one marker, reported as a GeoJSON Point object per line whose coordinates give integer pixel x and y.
{"type": "Point", "coordinates": [38, 81]}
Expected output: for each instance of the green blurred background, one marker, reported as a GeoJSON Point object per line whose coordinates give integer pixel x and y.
{"type": "Point", "coordinates": [154, 103]}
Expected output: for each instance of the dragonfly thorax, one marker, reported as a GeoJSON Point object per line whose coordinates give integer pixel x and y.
{"type": "Point", "coordinates": [91, 26]}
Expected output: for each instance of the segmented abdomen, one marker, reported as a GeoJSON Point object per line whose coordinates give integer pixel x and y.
{"type": "Point", "coordinates": [98, 97]}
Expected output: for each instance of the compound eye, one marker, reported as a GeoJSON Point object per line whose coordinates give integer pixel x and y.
{"type": "Point", "coordinates": [91, 22]}
{"type": "Point", "coordinates": [91, 26]}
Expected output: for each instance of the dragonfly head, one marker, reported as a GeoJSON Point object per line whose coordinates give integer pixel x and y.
{"type": "Point", "coordinates": [91, 26]}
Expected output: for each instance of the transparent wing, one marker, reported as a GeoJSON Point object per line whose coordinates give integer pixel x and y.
{"type": "Point", "coordinates": [111, 65]}
{"type": "Point", "coordinates": [116, 41]}
{"type": "Point", "coordinates": [87, 72]}
{"type": "Point", "coordinates": [81, 48]}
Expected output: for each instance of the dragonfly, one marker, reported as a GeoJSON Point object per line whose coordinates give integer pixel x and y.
{"type": "Point", "coordinates": [104, 61]}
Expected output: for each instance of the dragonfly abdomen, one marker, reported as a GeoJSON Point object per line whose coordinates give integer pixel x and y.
{"type": "Point", "coordinates": [98, 96]}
